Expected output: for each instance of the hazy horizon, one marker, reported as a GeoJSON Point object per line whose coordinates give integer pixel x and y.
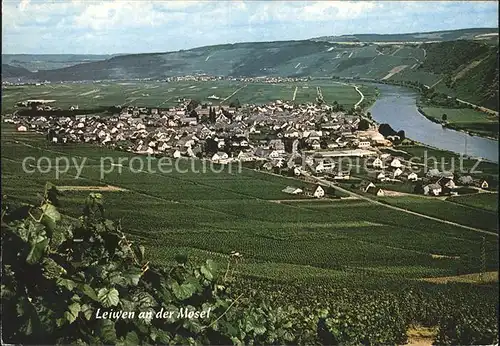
{"type": "Point", "coordinates": [128, 27]}
{"type": "Point", "coordinates": [224, 43]}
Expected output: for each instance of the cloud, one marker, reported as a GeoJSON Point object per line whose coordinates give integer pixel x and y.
{"type": "Point", "coordinates": [78, 26]}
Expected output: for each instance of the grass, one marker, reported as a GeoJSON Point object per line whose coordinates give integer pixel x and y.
{"type": "Point", "coordinates": [465, 119]}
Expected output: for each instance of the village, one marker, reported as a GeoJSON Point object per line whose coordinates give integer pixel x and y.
{"type": "Point", "coordinates": [314, 142]}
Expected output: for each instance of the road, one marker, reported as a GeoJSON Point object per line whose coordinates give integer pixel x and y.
{"type": "Point", "coordinates": [327, 183]}
{"type": "Point", "coordinates": [362, 96]}
{"type": "Point", "coordinates": [227, 98]}
{"type": "Point", "coordinates": [295, 93]}
{"type": "Point", "coordinates": [484, 109]}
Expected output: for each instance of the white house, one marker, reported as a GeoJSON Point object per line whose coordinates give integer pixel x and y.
{"type": "Point", "coordinates": [364, 144]}
{"type": "Point", "coordinates": [397, 173]}
{"type": "Point", "coordinates": [322, 167]}
{"type": "Point", "coordinates": [370, 185]}
{"type": "Point", "coordinates": [378, 163]}
{"type": "Point", "coordinates": [412, 176]}
{"type": "Point", "coordinates": [177, 154]}
{"type": "Point", "coordinates": [220, 156]}
{"type": "Point", "coordinates": [381, 176]}
{"type": "Point", "coordinates": [376, 191]}
{"type": "Point", "coordinates": [395, 163]}
{"type": "Point", "coordinates": [292, 190]}
{"type": "Point", "coordinates": [163, 147]}
{"type": "Point", "coordinates": [432, 189]}
{"type": "Point", "coordinates": [22, 128]}
{"type": "Point", "coordinates": [315, 144]}
{"type": "Point", "coordinates": [319, 192]}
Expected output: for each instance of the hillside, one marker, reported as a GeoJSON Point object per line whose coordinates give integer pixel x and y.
{"type": "Point", "coordinates": [465, 69]}
{"type": "Point", "coordinates": [36, 62]}
{"type": "Point", "coordinates": [9, 71]}
{"type": "Point", "coordinates": [451, 35]}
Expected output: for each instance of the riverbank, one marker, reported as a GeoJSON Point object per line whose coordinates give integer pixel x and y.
{"type": "Point", "coordinates": [449, 125]}
{"type": "Point", "coordinates": [397, 106]}
{"type": "Point", "coordinates": [418, 88]}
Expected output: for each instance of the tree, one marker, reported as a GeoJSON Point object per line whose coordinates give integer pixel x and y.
{"type": "Point", "coordinates": [363, 125]}
{"type": "Point", "coordinates": [192, 105]}
{"type": "Point", "coordinates": [235, 104]}
{"type": "Point", "coordinates": [193, 114]}
{"type": "Point", "coordinates": [386, 130]}
{"type": "Point", "coordinates": [211, 146]}
{"type": "Point", "coordinates": [401, 135]}
{"type": "Point", "coordinates": [444, 117]}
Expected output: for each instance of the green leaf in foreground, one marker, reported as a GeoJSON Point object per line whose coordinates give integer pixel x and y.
{"type": "Point", "coordinates": [108, 297]}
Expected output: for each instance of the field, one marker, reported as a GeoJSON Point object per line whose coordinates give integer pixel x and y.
{"type": "Point", "coordinates": [465, 119]}
{"type": "Point", "coordinates": [486, 201]}
{"type": "Point", "coordinates": [210, 214]}
{"type": "Point", "coordinates": [483, 219]}
{"type": "Point", "coordinates": [163, 94]}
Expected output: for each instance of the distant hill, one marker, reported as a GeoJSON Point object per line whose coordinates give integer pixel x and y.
{"type": "Point", "coordinates": [35, 62]}
{"type": "Point", "coordinates": [465, 68]}
{"type": "Point", "coordinates": [9, 71]}
{"type": "Point", "coordinates": [451, 35]}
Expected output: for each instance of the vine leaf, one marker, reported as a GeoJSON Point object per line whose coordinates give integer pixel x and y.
{"type": "Point", "coordinates": [183, 291]}
{"type": "Point", "coordinates": [51, 211]}
{"type": "Point", "coordinates": [108, 297]}
{"type": "Point", "coordinates": [89, 292]}
{"type": "Point", "coordinates": [37, 250]}
{"type": "Point", "coordinates": [107, 331]}
{"type": "Point", "coordinates": [72, 313]}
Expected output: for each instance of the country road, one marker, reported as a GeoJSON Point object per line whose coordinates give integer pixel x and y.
{"type": "Point", "coordinates": [484, 109]}
{"type": "Point", "coordinates": [227, 98]}
{"type": "Point", "coordinates": [362, 96]}
{"type": "Point", "coordinates": [325, 182]}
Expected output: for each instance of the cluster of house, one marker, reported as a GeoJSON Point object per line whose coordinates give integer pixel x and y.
{"type": "Point", "coordinates": [269, 79]}
{"type": "Point", "coordinates": [280, 136]}
{"type": "Point", "coordinates": [443, 183]}
{"type": "Point", "coordinates": [318, 191]}
{"type": "Point", "coordinates": [194, 78]}
{"type": "Point", "coordinates": [386, 168]}
{"type": "Point", "coordinates": [271, 134]}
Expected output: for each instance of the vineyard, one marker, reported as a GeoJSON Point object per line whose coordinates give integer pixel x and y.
{"type": "Point", "coordinates": [78, 268]}
{"type": "Point", "coordinates": [343, 271]}
{"type": "Point", "coordinates": [166, 94]}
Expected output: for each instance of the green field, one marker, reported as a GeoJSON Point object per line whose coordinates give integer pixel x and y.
{"type": "Point", "coordinates": [166, 94]}
{"type": "Point", "coordinates": [465, 119]}
{"type": "Point", "coordinates": [462, 214]}
{"type": "Point", "coordinates": [210, 214]}
{"type": "Point", "coordinates": [486, 201]}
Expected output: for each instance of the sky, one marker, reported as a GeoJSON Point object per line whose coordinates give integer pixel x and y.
{"type": "Point", "coordinates": [141, 26]}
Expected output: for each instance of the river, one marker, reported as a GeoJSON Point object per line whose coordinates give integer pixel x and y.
{"type": "Point", "coordinates": [397, 107]}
